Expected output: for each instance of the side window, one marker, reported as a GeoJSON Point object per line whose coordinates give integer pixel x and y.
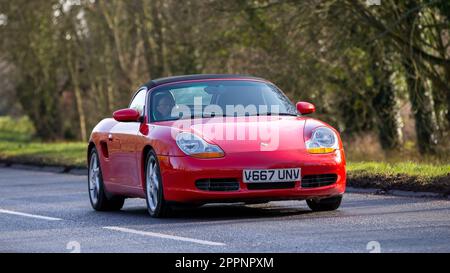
{"type": "Point", "coordinates": [138, 102]}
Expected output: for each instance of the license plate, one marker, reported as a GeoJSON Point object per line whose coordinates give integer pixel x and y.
{"type": "Point", "coordinates": [271, 175]}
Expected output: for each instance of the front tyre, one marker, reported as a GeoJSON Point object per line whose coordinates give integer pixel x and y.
{"type": "Point", "coordinates": [97, 194]}
{"type": "Point", "coordinates": [156, 205]}
{"type": "Point", "coordinates": [327, 204]}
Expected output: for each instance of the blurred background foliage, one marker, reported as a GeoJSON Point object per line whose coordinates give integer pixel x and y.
{"type": "Point", "coordinates": [380, 74]}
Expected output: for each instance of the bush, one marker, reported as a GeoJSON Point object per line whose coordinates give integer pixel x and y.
{"type": "Point", "coordinates": [16, 129]}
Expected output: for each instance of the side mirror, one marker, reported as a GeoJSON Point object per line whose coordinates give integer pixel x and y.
{"type": "Point", "coordinates": [305, 108]}
{"type": "Point", "coordinates": [126, 115]}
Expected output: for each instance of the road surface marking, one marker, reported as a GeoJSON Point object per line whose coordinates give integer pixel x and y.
{"type": "Point", "coordinates": [165, 236]}
{"type": "Point", "coordinates": [29, 215]}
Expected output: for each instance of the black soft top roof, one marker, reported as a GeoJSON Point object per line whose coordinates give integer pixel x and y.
{"type": "Point", "coordinates": [160, 81]}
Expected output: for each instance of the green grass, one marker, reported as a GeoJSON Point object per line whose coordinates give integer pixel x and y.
{"type": "Point", "coordinates": [74, 154]}
{"type": "Point", "coordinates": [58, 153]}
{"type": "Point", "coordinates": [402, 175]}
{"type": "Point", "coordinates": [17, 146]}
{"type": "Point", "coordinates": [409, 176]}
{"type": "Point", "coordinates": [409, 168]}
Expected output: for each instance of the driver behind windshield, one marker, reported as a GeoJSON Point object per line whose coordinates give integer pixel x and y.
{"type": "Point", "coordinates": [163, 105]}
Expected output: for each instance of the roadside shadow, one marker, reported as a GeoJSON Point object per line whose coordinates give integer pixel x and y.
{"type": "Point", "coordinates": [222, 212]}
{"type": "Point", "coordinates": [387, 200]}
{"type": "Point", "coordinates": [239, 211]}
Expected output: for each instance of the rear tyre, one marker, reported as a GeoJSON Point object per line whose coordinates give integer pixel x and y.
{"type": "Point", "coordinates": [97, 193]}
{"type": "Point", "coordinates": [327, 204]}
{"type": "Point", "coordinates": [156, 204]}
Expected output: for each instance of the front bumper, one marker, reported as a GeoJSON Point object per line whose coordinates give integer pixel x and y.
{"type": "Point", "coordinates": [179, 175]}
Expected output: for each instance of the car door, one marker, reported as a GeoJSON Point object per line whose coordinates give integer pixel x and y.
{"type": "Point", "coordinates": [123, 139]}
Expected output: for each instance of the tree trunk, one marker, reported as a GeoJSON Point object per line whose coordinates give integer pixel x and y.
{"type": "Point", "coordinates": [389, 120]}
{"type": "Point", "coordinates": [420, 97]}
{"type": "Point", "coordinates": [157, 70]}
{"type": "Point", "coordinates": [74, 71]}
{"type": "Point", "coordinates": [145, 36]}
{"type": "Point", "coordinates": [385, 102]}
{"type": "Point", "coordinates": [422, 107]}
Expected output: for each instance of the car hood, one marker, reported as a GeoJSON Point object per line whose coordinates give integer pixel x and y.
{"type": "Point", "coordinates": [244, 134]}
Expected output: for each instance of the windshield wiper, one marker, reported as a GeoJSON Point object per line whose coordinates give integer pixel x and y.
{"type": "Point", "coordinates": [278, 114]}
{"type": "Point", "coordinates": [209, 115]}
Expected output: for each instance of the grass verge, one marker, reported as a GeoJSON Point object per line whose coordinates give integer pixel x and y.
{"type": "Point", "coordinates": [408, 176]}
{"type": "Point", "coordinates": [15, 147]}
{"type": "Point", "coordinates": [67, 154]}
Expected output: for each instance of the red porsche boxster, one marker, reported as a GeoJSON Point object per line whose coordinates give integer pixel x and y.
{"type": "Point", "coordinates": [214, 138]}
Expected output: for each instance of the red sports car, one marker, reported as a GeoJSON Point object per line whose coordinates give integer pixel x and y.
{"type": "Point", "coordinates": [214, 138]}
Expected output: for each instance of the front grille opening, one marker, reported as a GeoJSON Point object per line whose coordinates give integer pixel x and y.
{"type": "Point", "coordinates": [217, 184]}
{"type": "Point", "coordinates": [269, 186]}
{"type": "Point", "coordinates": [318, 180]}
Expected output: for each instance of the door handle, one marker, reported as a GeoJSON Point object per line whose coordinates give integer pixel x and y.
{"type": "Point", "coordinates": [110, 137]}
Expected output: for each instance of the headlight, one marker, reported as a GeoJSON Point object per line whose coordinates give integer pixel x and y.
{"type": "Point", "coordinates": [195, 146]}
{"type": "Point", "coordinates": [323, 140]}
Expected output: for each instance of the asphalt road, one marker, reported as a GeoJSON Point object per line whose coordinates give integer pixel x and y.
{"type": "Point", "coordinates": [50, 212]}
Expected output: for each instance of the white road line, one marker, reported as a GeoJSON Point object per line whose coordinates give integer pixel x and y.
{"type": "Point", "coordinates": [29, 215]}
{"type": "Point", "coordinates": [165, 236]}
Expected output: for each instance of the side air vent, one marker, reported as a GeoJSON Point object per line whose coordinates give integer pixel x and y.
{"type": "Point", "coordinates": [217, 184]}
{"type": "Point", "coordinates": [318, 180]}
{"type": "Point", "coordinates": [104, 148]}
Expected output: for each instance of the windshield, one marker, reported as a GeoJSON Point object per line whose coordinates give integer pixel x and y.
{"type": "Point", "coordinates": [218, 98]}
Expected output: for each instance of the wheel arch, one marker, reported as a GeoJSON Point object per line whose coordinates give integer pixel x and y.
{"type": "Point", "coordinates": [91, 146]}
{"type": "Point", "coordinates": [147, 149]}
